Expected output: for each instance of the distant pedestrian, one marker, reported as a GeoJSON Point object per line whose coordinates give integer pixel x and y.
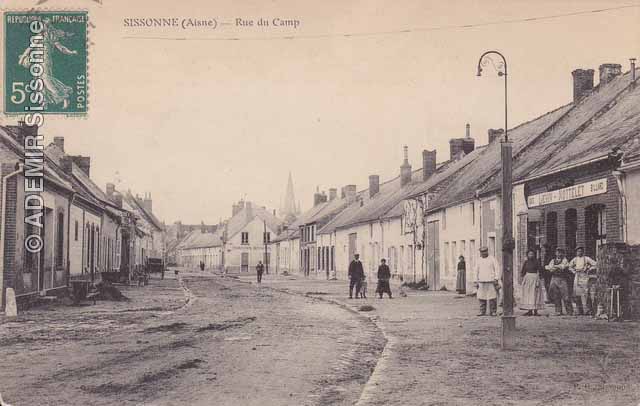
{"type": "Point", "coordinates": [583, 288]}
{"type": "Point", "coordinates": [487, 273]}
{"type": "Point", "coordinates": [259, 271]}
{"type": "Point", "coordinates": [202, 265]}
{"type": "Point", "coordinates": [559, 286]}
{"type": "Point", "coordinates": [531, 274]}
{"type": "Point", "coordinates": [461, 279]}
{"type": "Point", "coordinates": [384, 275]}
{"type": "Point", "coordinates": [356, 272]}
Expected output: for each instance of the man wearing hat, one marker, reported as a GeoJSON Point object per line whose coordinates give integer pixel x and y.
{"type": "Point", "coordinates": [356, 273]}
{"type": "Point", "coordinates": [582, 266]}
{"type": "Point", "coordinates": [559, 286]}
{"type": "Point", "coordinates": [487, 272]}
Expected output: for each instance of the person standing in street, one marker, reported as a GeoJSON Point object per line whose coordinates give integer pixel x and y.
{"type": "Point", "coordinates": [581, 266]}
{"type": "Point", "coordinates": [487, 274]}
{"type": "Point", "coordinates": [531, 285]}
{"type": "Point", "coordinates": [559, 286]}
{"type": "Point", "coordinates": [356, 273]}
{"type": "Point", "coordinates": [259, 271]}
{"type": "Point", "coordinates": [461, 278]}
{"type": "Point", "coordinates": [384, 275]}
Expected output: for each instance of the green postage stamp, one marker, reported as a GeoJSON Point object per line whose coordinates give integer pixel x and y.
{"type": "Point", "coordinates": [45, 62]}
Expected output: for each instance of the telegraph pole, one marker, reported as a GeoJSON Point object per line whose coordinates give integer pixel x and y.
{"type": "Point", "coordinates": [508, 244]}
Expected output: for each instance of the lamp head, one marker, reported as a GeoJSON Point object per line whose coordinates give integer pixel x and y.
{"type": "Point", "coordinates": [479, 71]}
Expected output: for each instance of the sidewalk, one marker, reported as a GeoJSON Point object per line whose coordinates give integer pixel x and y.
{"type": "Point", "coordinates": [440, 353]}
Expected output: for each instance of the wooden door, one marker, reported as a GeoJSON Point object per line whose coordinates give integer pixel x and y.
{"type": "Point", "coordinates": [433, 255]}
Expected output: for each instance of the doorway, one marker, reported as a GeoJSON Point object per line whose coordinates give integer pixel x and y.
{"type": "Point", "coordinates": [433, 254]}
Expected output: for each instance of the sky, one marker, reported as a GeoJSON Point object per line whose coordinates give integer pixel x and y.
{"type": "Point", "coordinates": [201, 117]}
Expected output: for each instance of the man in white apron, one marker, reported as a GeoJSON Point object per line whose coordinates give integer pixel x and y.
{"type": "Point", "coordinates": [582, 266]}
{"type": "Point", "coordinates": [487, 273]}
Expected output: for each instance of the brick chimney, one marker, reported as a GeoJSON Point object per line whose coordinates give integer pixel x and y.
{"type": "Point", "coordinates": [582, 83]}
{"type": "Point", "coordinates": [633, 70]}
{"type": "Point", "coordinates": [117, 199]}
{"type": "Point", "coordinates": [608, 71]}
{"type": "Point", "coordinates": [147, 202]}
{"type": "Point", "coordinates": [111, 188]}
{"type": "Point", "coordinates": [495, 134]}
{"type": "Point", "coordinates": [83, 162]}
{"type": "Point", "coordinates": [66, 164]}
{"type": "Point", "coordinates": [405, 168]}
{"type": "Point", "coordinates": [350, 192]}
{"type": "Point", "coordinates": [456, 148]}
{"type": "Point", "coordinates": [59, 142]}
{"type": "Point", "coordinates": [428, 163]}
{"type": "Point", "coordinates": [248, 210]}
{"type": "Point", "coordinates": [333, 193]}
{"type": "Point", "coordinates": [468, 143]}
{"type": "Point", "coordinates": [203, 229]}
{"type": "Point", "coordinates": [374, 185]}
{"type": "Point", "coordinates": [319, 198]}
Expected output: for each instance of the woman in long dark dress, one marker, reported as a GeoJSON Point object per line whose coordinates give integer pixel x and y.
{"type": "Point", "coordinates": [531, 285]}
{"type": "Point", "coordinates": [461, 278]}
{"type": "Point", "coordinates": [384, 275]}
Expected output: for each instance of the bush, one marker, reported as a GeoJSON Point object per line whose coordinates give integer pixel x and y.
{"type": "Point", "coordinates": [422, 285]}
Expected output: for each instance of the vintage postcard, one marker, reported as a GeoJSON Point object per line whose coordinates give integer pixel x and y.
{"type": "Point", "coordinates": [287, 203]}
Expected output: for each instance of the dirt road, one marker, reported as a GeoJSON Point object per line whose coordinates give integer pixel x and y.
{"type": "Point", "coordinates": [230, 344]}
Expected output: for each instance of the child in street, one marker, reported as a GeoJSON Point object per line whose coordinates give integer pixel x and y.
{"type": "Point", "coordinates": [363, 287]}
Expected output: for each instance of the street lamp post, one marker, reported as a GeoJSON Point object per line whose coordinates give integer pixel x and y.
{"type": "Point", "coordinates": [508, 244]}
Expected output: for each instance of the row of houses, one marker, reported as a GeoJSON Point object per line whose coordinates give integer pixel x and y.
{"type": "Point", "coordinates": [85, 232]}
{"type": "Point", "coordinates": [575, 183]}
{"type": "Point", "coordinates": [236, 244]}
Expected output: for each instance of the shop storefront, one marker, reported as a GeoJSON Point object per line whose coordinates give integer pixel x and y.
{"type": "Point", "coordinates": [575, 208]}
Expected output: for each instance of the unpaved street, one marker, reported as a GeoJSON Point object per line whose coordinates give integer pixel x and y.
{"type": "Point", "coordinates": [216, 342]}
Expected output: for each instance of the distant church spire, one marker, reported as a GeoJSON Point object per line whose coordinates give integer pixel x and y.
{"type": "Point", "coordinates": [288, 209]}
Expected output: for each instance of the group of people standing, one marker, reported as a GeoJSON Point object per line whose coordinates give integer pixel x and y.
{"type": "Point", "coordinates": [565, 282]}
{"type": "Point", "coordinates": [358, 281]}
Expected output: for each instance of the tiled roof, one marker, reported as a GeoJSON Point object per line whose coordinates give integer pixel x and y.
{"type": "Point", "coordinates": [79, 186]}
{"type": "Point", "coordinates": [288, 234]}
{"type": "Point", "coordinates": [198, 239]}
{"type": "Point", "coordinates": [236, 223]}
{"type": "Point", "coordinates": [463, 183]}
{"type": "Point", "coordinates": [617, 127]}
{"type": "Point", "coordinates": [51, 169]}
{"type": "Point", "coordinates": [588, 130]}
{"type": "Point", "coordinates": [365, 209]}
{"type": "Point", "coordinates": [135, 202]}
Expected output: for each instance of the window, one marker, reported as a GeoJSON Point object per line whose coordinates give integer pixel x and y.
{"type": "Point", "coordinates": [571, 231]}
{"type": "Point", "coordinates": [552, 236]}
{"type": "Point", "coordinates": [473, 213]}
{"type": "Point", "coordinates": [266, 237]}
{"type": "Point", "coordinates": [75, 233]}
{"type": "Point", "coordinates": [444, 219]}
{"type": "Point", "coordinates": [319, 258]}
{"type": "Point", "coordinates": [60, 241]}
{"type": "Point", "coordinates": [333, 258]}
{"type": "Point", "coordinates": [446, 258]}
{"type": "Point", "coordinates": [454, 256]}
{"type": "Point", "coordinates": [595, 229]}
{"type": "Point", "coordinates": [244, 237]}
{"type": "Point", "coordinates": [30, 258]}
{"type": "Point", "coordinates": [492, 246]}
